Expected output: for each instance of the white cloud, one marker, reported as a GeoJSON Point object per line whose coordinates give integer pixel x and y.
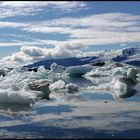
{"type": "Point", "coordinates": [23, 8]}
{"type": "Point", "coordinates": [6, 24]}
{"type": "Point", "coordinates": [105, 20]}
{"type": "Point", "coordinates": [94, 29]}
{"type": "Point", "coordinates": [97, 29]}
{"type": "Point", "coordinates": [4, 44]}
{"type": "Point", "coordinates": [100, 29]}
{"type": "Point", "coordinates": [28, 54]}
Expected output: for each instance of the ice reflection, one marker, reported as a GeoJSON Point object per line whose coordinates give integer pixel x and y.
{"type": "Point", "coordinates": [98, 80]}
{"type": "Point", "coordinates": [77, 115]}
{"type": "Point", "coordinates": [103, 85]}
{"type": "Point", "coordinates": [109, 94]}
{"type": "Point", "coordinates": [91, 119]}
{"type": "Point", "coordinates": [85, 119]}
{"type": "Point", "coordinates": [14, 109]}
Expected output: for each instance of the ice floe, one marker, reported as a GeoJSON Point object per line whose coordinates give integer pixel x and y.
{"type": "Point", "coordinates": [78, 70]}
{"type": "Point", "coordinates": [24, 86]}
{"type": "Point", "coordinates": [61, 86]}
{"type": "Point", "coordinates": [55, 68]}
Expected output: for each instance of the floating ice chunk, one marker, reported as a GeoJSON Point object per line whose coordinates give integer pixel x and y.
{"type": "Point", "coordinates": [138, 77]}
{"type": "Point", "coordinates": [55, 68]}
{"type": "Point", "coordinates": [122, 84]}
{"type": "Point", "coordinates": [111, 69]}
{"type": "Point", "coordinates": [41, 69]}
{"type": "Point", "coordinates": [104, 70]}
{"type": "Point", "coordinates": [119, 83]}
{"type": "Point", "coordinates": [58, 85]}
{"type": "Point", "coordinates": [41, 85]}
{"type": "Point", "coordinates": [132, 73]}
{"type": "Point", "coordinates": [99, 80]}
{"type": "Point", "coordinates": [14, 96]}
{"type": "Point", "coordinates": [98, 72]}
{"type": "Point", "coordinates": [79, 70]}
{"type": "Point", "coordinates": [112, 64]}
{"type": "Point", "coordinates": [4, 71]}
{"type": "Point", "coordinates": [72, 88]}
{"type": "Point", "coordinates": [119, 71]}
{"type": "Point", "coordinates": [41, 73]}
{"type": "Point", "coordinates": [15, 85]}
{"type": "Point", "coordinates": [62, 86]}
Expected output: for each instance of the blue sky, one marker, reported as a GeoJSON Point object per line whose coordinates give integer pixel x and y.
{"type": "Point", "coordinates": [37, 30]}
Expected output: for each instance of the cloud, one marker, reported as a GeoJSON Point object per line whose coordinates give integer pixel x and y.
{"type": "Point", "coordinates": [99, 29]}
{"type": "Point", "coordinates": [6, 24]}
{"type": "Point", "coordinates": [109, 28]}
{"type": "Point", "coordinates": [29, 54]}
{"type": "Point", "coordinates": [24, 8]}
{"type": "Point", "coordinates": [4, 44]}
{"type": "Point", "coordinates": [82, 32]}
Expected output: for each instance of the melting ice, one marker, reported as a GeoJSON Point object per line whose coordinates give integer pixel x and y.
{"type": "Point", "coordinates": [111, 76]}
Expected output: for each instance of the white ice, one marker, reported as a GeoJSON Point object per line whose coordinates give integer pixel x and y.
{"type": "Point", "coordinates": [61, 86]}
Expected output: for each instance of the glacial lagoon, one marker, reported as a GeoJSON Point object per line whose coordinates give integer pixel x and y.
{"type": "Point", "coordinates": [83, 114]}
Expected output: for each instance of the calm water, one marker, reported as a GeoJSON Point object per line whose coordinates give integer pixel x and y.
{"type": "Point", "coordinates": [85, 114]}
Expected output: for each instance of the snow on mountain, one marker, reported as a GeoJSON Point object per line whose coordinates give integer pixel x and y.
{"type": "Point", "coordinates": [130, 55]}
{"type": "Point", "coordinates": [66, 62]}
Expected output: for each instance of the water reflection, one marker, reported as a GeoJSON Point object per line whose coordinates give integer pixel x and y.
{"type": "Point", "coordinates": [80, 81]}
{"type": "Point", "coordinates": [84, 120]}
{"type": "Point", "coordinates": [95, 81]}
{"type": "Point", "coordinates": [14, 109]}
{"type": "Point", "coordinates": [118, 94]}
{"type": "Point", "coordinates": [109, 94]}
{"type": "Point", "coordinates": [130, 93]}
{"type": "Point", "coordinates": [85, 82]}
{"type": "Point", "coordinates": [53, 109]}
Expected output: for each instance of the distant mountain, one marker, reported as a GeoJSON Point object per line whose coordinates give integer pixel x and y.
{"type": "Point", "coordinates": [128, 55]}
{"type": "Point", "coordinates": [64, 62]}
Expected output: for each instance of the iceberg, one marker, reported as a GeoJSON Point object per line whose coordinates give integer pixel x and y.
{"type": "Point", "coordinates": [132, 73]}
{"type": "Point", "coordinates": [41, 85]}
{"type": "Point", "coordinates": [61, 86]}
{"type": "Point", "coordinates": [104, 70]}
{"type": "Point", "coordinates": [119, 71]}
{"type": "Point", "coordinates": [13, 95]}
{"type": "Point", "coordinates": [112, 69]}
{"type": "Point", "coordinates": [4, 71]}
{"type": "Point", "coordinates": [55, 68]}
{"type": "Point", "coordinates": [99, 80]}
{"type": "Point", "coordinates": [138, 77]}
{"type": "Point", "coordinates": [122, 85]}
{"type": "Point", "coordinates": [14, 87]}
{"type": "Point", "coordinates": [74, 71]}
